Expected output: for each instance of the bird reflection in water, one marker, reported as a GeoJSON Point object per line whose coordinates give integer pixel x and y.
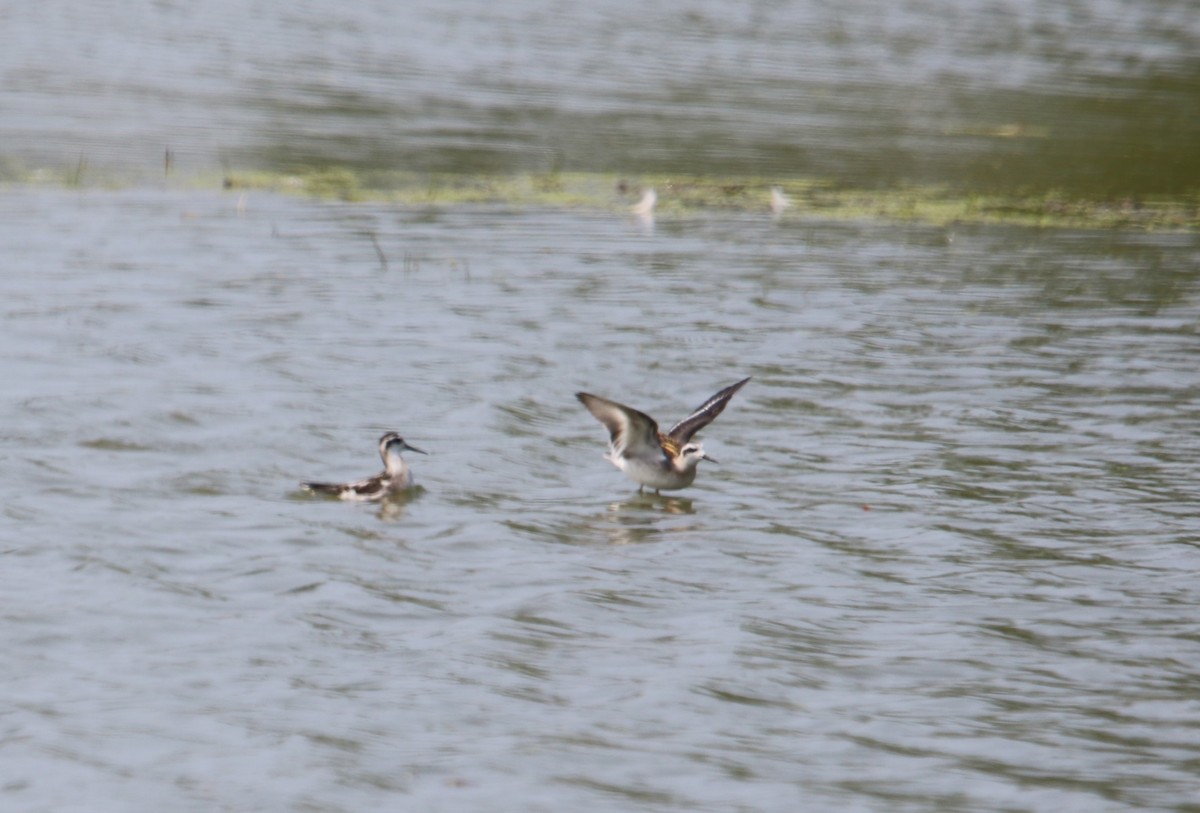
{"type": "Point", "coordinates": [639, 519]}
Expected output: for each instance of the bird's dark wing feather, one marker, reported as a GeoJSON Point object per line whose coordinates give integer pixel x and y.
{"type": "Point", "coordinates": [630, 431]}
{"type": "Point", "coordinates": [704, 414]}
{"type": "Point", "coordinates": [368, 489]}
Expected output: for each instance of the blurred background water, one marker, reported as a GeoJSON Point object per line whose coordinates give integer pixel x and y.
{"type": "Point", "coordinates": [948, 560]}
{"type": "Point", "coordinates": [1096, 97]}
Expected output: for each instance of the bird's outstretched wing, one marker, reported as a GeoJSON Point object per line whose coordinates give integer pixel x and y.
{"type": "Point", "coordinates": [631, 433]}
{"type": "Point", "coordinates": [704, 414]}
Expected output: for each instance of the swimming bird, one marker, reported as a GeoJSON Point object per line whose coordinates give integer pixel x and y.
{"type": "Point", "coordinates": [648, 456]}
{"type": "Point", "coordinates": [395, 477]}
{"type": "Point", "coordinates": [779, 201]}
{"type": "Point", "coordinates": [645, 207]}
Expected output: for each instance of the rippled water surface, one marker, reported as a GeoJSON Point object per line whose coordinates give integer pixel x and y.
{"type": "Point", "coordinates": [1097, 97]}
{"type": "Point", "coordinates": [948, 559]}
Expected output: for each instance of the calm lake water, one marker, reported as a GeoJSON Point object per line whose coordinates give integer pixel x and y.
{"type": "Point", "coordinates": [948, 561]}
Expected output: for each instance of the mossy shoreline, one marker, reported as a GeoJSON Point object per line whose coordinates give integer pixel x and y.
{"type": "Point", "coordinates": [681, 196]}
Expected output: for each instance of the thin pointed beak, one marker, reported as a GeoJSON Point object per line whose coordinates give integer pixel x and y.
{"type": "Point", "coordinates": [709, 459]}
{"type": "Point", "coordinates": [408, 448]}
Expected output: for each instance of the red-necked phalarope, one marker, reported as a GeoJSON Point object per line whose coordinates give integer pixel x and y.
{"type": "Point", "coordinates": [779, 201]}
{"type": "Point", "coordinates": [646, 455]}
{"type": "Point", "coordinates": [395, 477]}
{"type": "Point", "coordinates": [645, 206]}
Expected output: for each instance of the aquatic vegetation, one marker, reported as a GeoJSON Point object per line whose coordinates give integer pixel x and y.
{"type": "Point", "coordinates": [681, 196]}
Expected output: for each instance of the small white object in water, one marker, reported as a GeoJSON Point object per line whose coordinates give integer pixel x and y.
{"type": "Point", "coordinates": [779, 201]}
{"type": "Point", "coordinates": [645, 206]}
